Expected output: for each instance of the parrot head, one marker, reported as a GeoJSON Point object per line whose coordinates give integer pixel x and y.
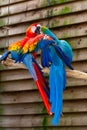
{"type": "Point", "coordinates": [33, 30]}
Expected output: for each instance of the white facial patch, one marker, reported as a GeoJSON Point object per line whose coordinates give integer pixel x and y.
{"type": "Point", "coordinates": [33, 29]}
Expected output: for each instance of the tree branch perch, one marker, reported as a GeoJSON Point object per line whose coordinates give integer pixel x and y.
{"type": "Point", "coordinates": [70, 73]}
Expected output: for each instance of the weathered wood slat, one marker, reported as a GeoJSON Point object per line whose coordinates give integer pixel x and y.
{"type": "Point", "coordinates": [19, 85]}
{"type": "Point", "coordinates": [3, 21]}
{"type": "Point", "coordinates": [17, 1]}
{"type": "Point", "coordinates": [65, 32]}
{"type": "Point", "coordinates": [35, 4]}
{"type": "Point", "coordinates": [71, 31]}
{"type": "Point", "coordinates": [70, 19]}
{"type": "Point", "coordinates": [7, 2]}
{"type": "Point", "coordinates": [18, 75]}
{"type": "Point", "coordinates": [38, 108]}
{"type": "Point", "coordinates": [4, 11]}
{"type": "Point", "coordinates": [75, 93]}
{"type": "Point", "coordinates": [53, 22]}
{"type": "Point", "coordinates": [17, 7]}
{"type": "Point", "coordinates": [41, 3]}
{"type": "Point", "coordinates": [80, 54]}
{"type": "Point", "coordinates": [76, 82]}
{"type": "Point", "coordinates": [19, 97]}
{"type": "Point", "coordinates": [28, 121]}
{"type": "Point", "coordinates": [78, 43]}
{"type": "Point", "coordinates": [4, 2]}
{"type": "Point", "coordinates": [46, 13]}
{"type": "Point", "coordinates": [81, 65]}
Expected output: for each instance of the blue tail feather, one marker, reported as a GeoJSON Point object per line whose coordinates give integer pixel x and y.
{"type": "Point", "coordinates": [56, 92]}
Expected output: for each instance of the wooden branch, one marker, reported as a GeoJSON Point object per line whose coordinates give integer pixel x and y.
{"type": "Point", "coordinates": [10, 63]}
{"type": "Point", "coordinates": [70, 73]}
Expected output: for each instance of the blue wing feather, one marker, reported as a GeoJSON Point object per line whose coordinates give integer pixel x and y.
{"type": "Point", "coordinates": [63, 56]}
{"type": "Point", "coordinates": [66, 48]}
{"type": "Point", "coordinates": [45, 57]}
{"type": "Point", "coordinates": [27, 60]}
{"type": "Point", "coordinates": [5, 55]}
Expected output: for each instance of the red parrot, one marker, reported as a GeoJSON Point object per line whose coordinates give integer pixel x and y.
{"type": "Point", "coordinates": [22, 50]}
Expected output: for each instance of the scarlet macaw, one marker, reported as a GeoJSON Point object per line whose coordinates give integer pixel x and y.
{"type": "Point", "coordinates": [22, 51]}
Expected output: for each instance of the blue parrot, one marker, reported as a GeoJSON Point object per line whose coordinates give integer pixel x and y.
{"type": "Point", "coordinates": [56, 55]}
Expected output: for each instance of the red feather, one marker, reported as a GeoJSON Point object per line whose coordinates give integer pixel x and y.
{"type": "Point", "coordinates": [41, 83]}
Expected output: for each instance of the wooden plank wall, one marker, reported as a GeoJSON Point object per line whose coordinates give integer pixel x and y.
{"type": "Point", "coordinates": [21, 107]}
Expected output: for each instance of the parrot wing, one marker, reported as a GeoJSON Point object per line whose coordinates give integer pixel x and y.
{"type": "Point", "coordinates": [61, 47]}
{"type": "Point", "coordinates": [61, 51]}
{"type": "Point", "coordinates": [63, 56]}
{"type": "Point", "coordinates": [45, 57]}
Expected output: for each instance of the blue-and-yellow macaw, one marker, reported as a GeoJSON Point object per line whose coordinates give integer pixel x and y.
{"type": "Point", "coordinates": [55, 54]}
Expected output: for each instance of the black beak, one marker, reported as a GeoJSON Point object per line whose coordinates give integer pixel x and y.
{"type": "Point", "coordinates": [38, 30]}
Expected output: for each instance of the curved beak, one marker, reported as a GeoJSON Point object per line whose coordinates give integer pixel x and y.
{"type": "Point", "coordinates": [38, 30]}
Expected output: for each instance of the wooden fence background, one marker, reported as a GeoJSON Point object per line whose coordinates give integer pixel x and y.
{"type": "Point", "coordinates": [21, 107]}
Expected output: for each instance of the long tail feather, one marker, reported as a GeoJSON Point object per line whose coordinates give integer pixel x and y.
{"type": "Point", "coordinates": [41, 73]}
{"type": "Point", "coordinates": [56, 92]}
{"type": "Point", "coordinates": [43, 88]}
{"type": "Point", "coordinates": [41, 78]}
{"type": "Point", "coordinates": [43, 96]}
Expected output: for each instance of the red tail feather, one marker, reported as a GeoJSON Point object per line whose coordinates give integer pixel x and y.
{"type": "Point", "coordinates": [41, 84]}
